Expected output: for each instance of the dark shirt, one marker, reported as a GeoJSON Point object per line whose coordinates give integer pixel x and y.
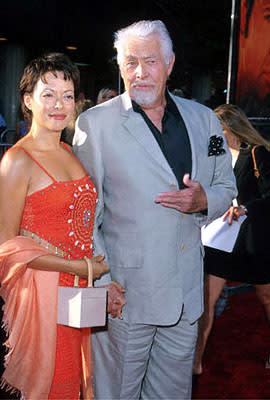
{"type": "Point", "coordinates": [173, 139]}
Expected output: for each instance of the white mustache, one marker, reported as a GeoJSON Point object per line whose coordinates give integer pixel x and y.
{"type": "Point", "coordinates": [142, 83]}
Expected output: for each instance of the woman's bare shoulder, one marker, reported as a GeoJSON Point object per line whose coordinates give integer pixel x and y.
{"type": "Point", "coordinates": [15, 161]}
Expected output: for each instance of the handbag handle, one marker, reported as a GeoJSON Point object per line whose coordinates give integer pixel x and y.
{"type": "Point", "coordinates": [90, 274]}
{"type": "Point", "coordinates": [256, 170]}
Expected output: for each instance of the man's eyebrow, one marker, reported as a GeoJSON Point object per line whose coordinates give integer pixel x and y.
{"type": "Point", "coordinates": [143, 57]}
{"type": "Point", "coordinates": [151, 56]}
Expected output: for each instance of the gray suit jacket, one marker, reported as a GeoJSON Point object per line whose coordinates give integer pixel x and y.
{"type": "Point", "coordinates": [153, 251]}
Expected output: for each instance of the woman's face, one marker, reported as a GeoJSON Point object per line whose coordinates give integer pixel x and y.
{"type": "Point", "coordinates": [52, 102]}
{"type": "Point", "coordinates": [231, 139]}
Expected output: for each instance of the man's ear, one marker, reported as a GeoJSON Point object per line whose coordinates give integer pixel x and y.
{"type": "Point", "coordinates": [27, 98]}
{"type": "Point", "coordinates": [121, 70]}
{"type": "Point", "coordinates": [171, 64]}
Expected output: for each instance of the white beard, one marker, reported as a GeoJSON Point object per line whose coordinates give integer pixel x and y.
{"type": "Point", "coordinates": [143, 97]}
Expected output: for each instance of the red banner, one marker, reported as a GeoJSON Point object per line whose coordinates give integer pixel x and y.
{"type": "Point", "coordinates": [253, 72]}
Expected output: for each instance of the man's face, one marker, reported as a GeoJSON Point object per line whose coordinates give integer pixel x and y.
{"type": "Point", "coordinates": [256, 52]}
{"type": "Point", "coordinates": [144, 70]}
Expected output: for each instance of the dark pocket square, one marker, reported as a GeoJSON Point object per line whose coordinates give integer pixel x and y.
{"type": "Point", "coordinates": [215, 146]}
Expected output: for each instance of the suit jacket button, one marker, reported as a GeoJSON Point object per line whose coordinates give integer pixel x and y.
{"type": "Point", "coordinates": [172, 186]}
{"type": "Point", "coordinates": [182, 246]}
{"type": "Point", "coordinates": [182, 215]}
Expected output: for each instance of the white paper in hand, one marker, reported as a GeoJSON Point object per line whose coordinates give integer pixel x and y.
{"type": "Point", "coordinates": [220, 235]}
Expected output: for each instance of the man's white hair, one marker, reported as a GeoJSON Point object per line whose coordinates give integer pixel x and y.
{"type": "Point", "coordinates": [144, 29]}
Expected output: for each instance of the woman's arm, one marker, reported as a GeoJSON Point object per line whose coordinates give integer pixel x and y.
{"type": "Point", "coordinates": [77, 267]}
{"type": "Point", "coordinates": [15, 176]}
{"type": "Point", "coordinates": [15, 173]}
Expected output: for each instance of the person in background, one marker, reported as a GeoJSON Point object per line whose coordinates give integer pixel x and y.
{"type": "Point", "coordinates": [3, 124]}
{"type": "Point", "coordinates": [3, 132]}
{"type": "Point", "coordinates": [159, 179]}
{"type": "Point", "coordinates": [23, 126]}
{"type": "Point", "coordinates": [47, 208]}
{"type": "Point", "coordinates": [84, 105]}
{"type": "Point", "coordinates": [179, 92]}
{"type": "Point", "coordinates": [254, 200]}
{"type": "Point", "coordinates": [105, 94]}
{"type": "Point", "coordinates": [68, 132]}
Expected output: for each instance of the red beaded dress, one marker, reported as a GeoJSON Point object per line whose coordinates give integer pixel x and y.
{"type": "Point", "coordinates": [63, 215]}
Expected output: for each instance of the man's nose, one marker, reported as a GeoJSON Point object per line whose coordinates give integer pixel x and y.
{"type": "Point", "coordinates": [141, 70]}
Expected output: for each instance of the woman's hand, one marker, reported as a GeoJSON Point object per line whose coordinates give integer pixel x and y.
{"type": "Point", "coordinates": [100, 267]}
{"type": "Point", "coordinates": [233, 214]}
{"type": "Point", "coordinates": [79, 267]}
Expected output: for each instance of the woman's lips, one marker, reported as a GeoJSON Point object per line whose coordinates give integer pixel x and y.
{"type": "Point", "coordinates": [59, 117]}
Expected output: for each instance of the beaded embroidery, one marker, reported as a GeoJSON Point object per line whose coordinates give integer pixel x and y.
{"type": "Point", "coordinates": [67, 211]}
{"type": "Point", "coordinates": [80, 212]}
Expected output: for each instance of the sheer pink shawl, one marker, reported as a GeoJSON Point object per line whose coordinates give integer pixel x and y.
{"type": "Point", "coordinates": [30, 317]}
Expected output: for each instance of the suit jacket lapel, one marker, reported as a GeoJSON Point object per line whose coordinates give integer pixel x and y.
{"type": "Point", "coordinates": [192, 129]}
{"type": "Point", "coordinates": [137, 127]}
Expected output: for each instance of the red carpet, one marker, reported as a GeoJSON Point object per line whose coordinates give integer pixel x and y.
{"type": "Point", "coordinates": [236, 353]}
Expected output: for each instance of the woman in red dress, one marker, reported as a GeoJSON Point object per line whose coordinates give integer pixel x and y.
{"type": "Point", "coordinates": [47, 206]}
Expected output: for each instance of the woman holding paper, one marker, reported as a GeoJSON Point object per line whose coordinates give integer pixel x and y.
{"type": "Point", "coordinates": [47, 206]}
{"type": "Point", "coordinates": [252, 264]}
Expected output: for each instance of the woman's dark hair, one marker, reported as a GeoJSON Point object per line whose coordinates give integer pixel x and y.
{"type": "Point", "coordinates": [37, 68]}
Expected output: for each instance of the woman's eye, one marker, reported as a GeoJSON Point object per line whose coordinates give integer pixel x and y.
{"type": "Point", "coordinates": [69, 97]}
{"type": "Point", "coordinates": [47, 95]}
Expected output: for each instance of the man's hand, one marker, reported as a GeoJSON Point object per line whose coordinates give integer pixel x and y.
{"type": "Point", "coordinates": [189, 200]}
{"type": "Point", "coordinates": [116, 300]}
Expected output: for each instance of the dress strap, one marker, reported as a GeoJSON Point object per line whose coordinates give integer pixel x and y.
{"type": "Point", "coordinates": [30, 155]}
{"type": "Point", "coordinates": [71, 152]}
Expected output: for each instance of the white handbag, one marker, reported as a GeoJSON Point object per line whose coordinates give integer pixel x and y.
{"type": "Point", "coordinates": [82, 307]}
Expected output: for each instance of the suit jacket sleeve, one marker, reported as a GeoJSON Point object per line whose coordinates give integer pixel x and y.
{"type": "Point", "coordinates": [87, 149]}
{"type": "Point", "coordinates": [214, 172]}
{"type": "Point", "coordinates": [223, 187]}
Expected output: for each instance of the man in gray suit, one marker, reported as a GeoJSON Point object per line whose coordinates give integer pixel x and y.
{"type": "Point", "coordinates": [162, 170]}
